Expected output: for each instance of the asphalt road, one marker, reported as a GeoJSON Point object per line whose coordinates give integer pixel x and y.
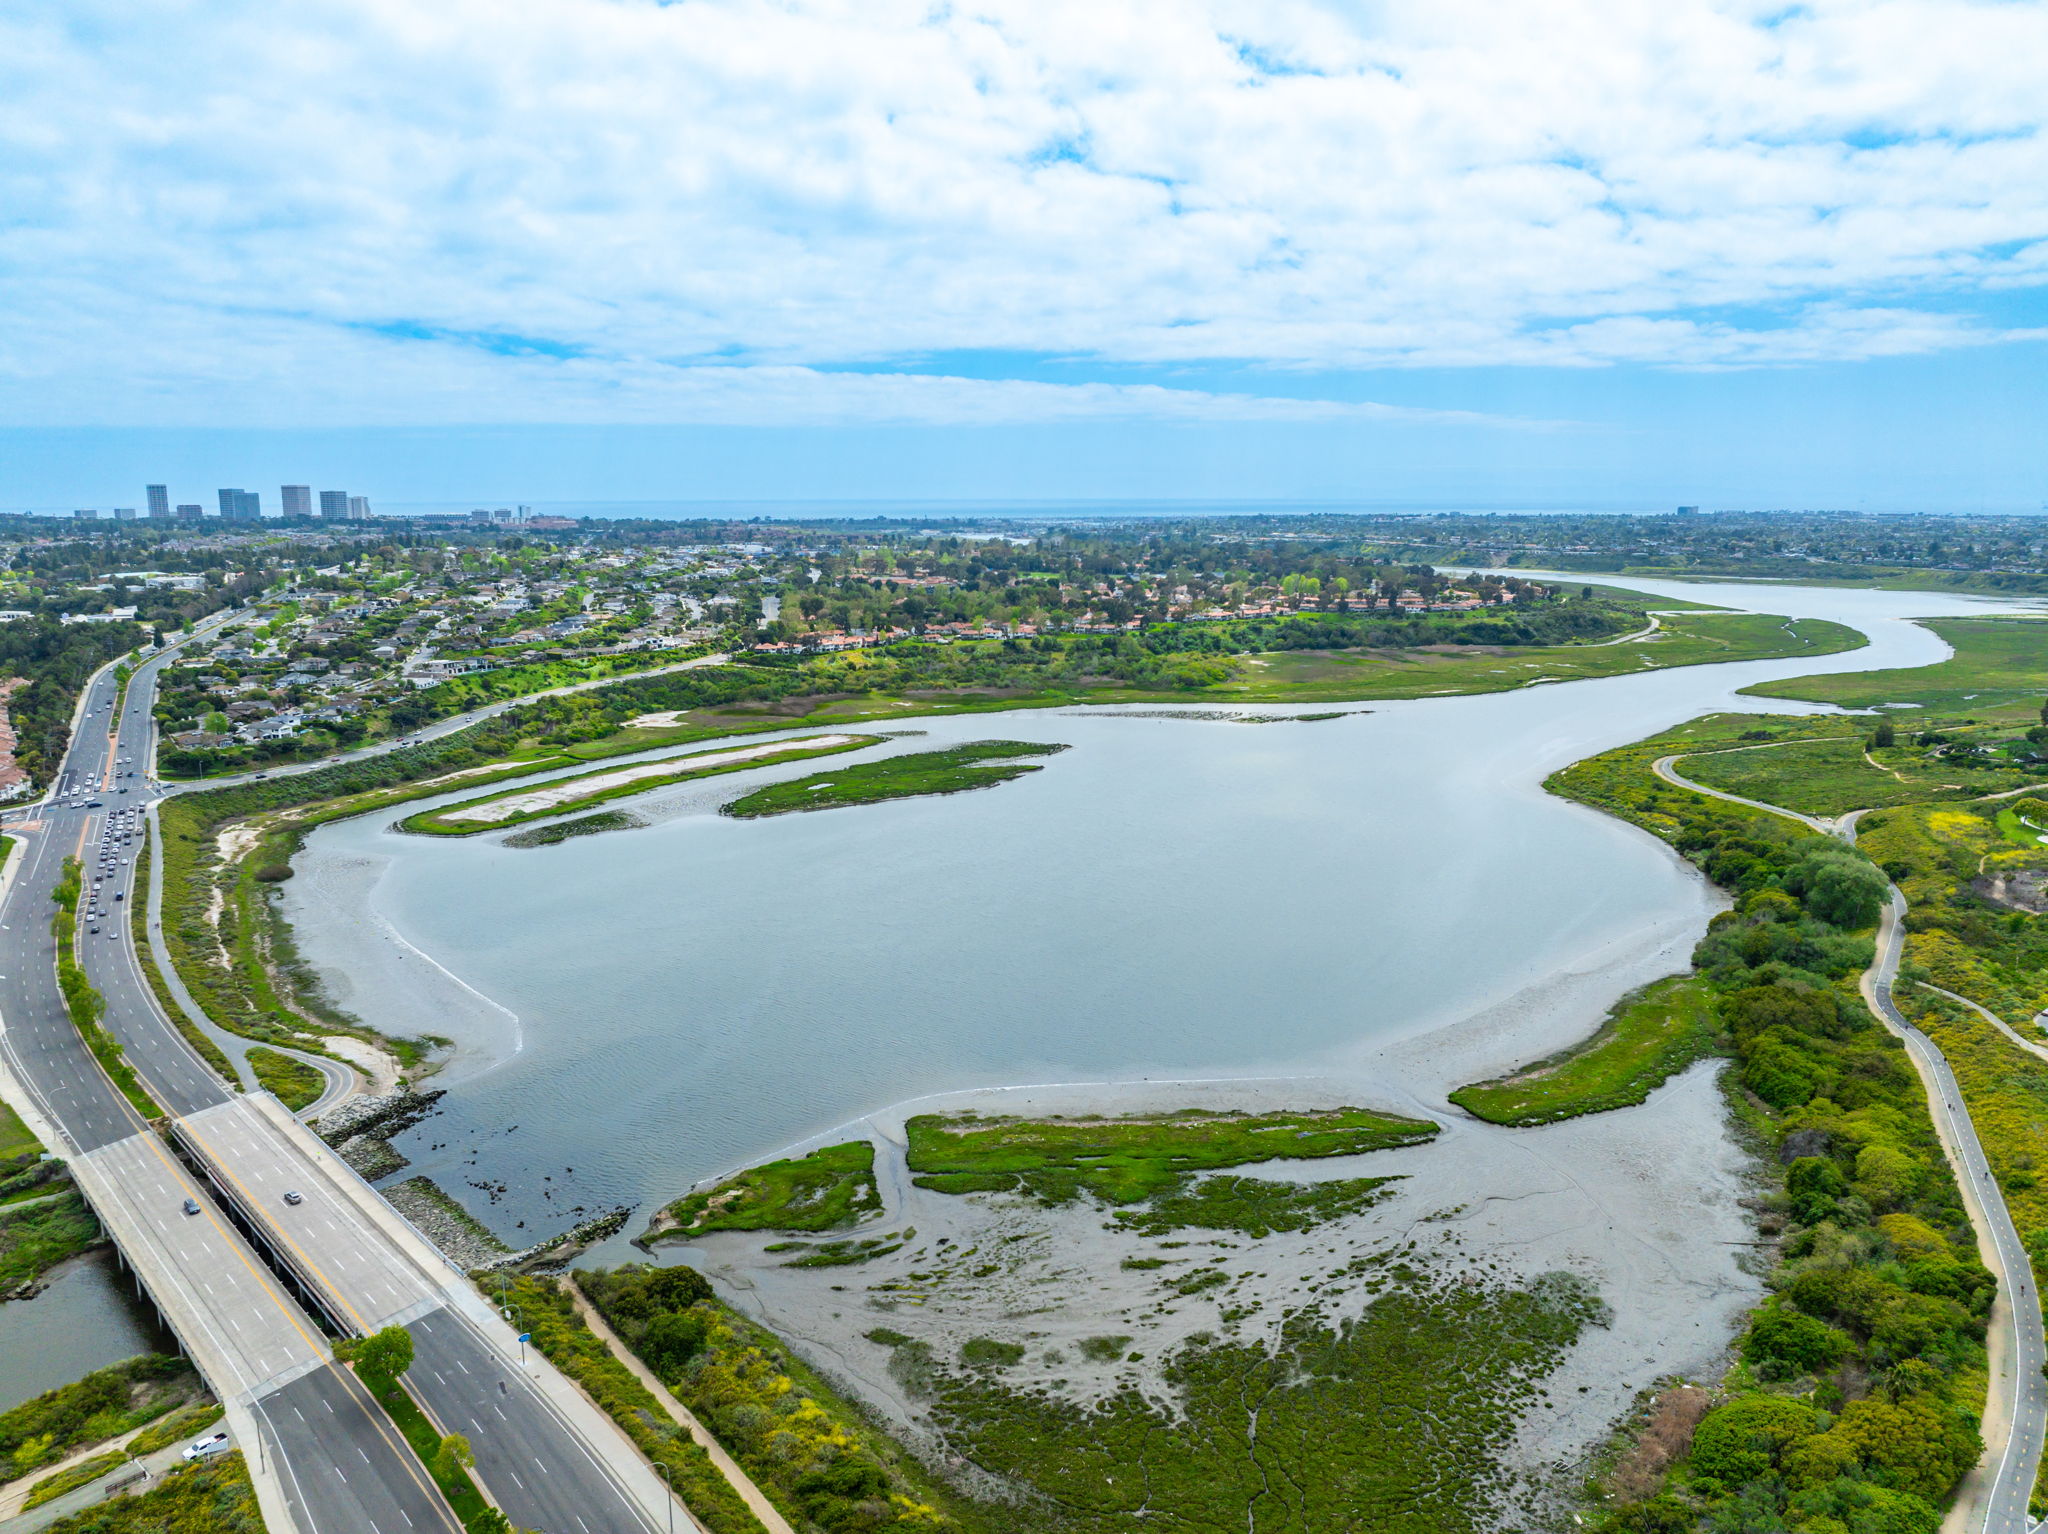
{"type": "Point", "coordinates": [246, 1334]}
{"type": "Point", "coordinates": [539, 1467]}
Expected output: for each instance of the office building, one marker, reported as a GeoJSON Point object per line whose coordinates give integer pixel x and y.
{"type": "Point", "coordinates": [296, 500]}
{"type": "Point", "coordinates": [124, 513]}
{"type": "Point", "coordinates": [86, 516]}
{"type": "Point", "coordinates": [334, 503]}
{"type": "Point", "coordinates": [358, 507]}
{"type": "Point", "coordinates": [159, 502]}
{"type": "Point", "coordinates": [240, 506]}
{"type": "Point", "coordinates": [479, 515]}
{"type": "Point", "coordinates": [190, 512]}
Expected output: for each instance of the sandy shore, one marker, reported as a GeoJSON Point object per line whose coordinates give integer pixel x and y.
{"type": "Point", "coordinates": [567, 790]}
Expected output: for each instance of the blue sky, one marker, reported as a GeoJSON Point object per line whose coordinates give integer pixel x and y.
{"type": "Point", "coordinates": [1576, 253]}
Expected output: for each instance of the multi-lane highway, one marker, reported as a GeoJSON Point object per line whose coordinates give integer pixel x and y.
{"type": "Point", "coordinates": [256, 1346]}
{"type": "Point", "coordinates": [325, 1456]}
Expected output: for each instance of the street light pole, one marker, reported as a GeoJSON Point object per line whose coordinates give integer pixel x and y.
{"type": "Point", "coordinates": [669, 1476]}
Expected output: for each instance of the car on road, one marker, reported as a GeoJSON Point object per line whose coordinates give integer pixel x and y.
{"type": "Point", "coordinates": [292, 1197]}
{"type": "Point", "coordinates": [191, 1206]}
{"type": "Point", "coordinates": [212, 1443]}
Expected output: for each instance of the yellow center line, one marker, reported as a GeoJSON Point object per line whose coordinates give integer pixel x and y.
{"type": "Point", "coordinates": [358, 1394]}
{"type": "Point", "coordinates": [263, 1277]}
{"type": "Point", "coordinates": [256, 1212]}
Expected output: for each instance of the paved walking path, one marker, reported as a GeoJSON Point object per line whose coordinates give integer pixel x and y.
{"type": "Point", "coordinates": [756, 1500]}
{"type": "Point", "coordinates": [1994, 1495]}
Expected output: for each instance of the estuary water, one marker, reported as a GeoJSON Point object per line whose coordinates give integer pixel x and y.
{"type": "Point", "coordinates": [1387, 903]}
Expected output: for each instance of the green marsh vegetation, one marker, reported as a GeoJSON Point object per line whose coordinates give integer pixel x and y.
{"type": "Point", "coordinates": [467, 817]}
{"type": "Point", "coordinates": [1998, 666]}
{"type": "Point", "coordinates": [1648, 1036]}
{"type": "Point", "coordinates": [1398, 1419]}
{"type": "Point", "coordinates": [1252, 1206]}
{"type": "Point", "coordinates": [1691, 640]}
{"type": "Point", "coordinates": [824, 1190]}
{"type": "Point", "coordinates": [1124, 1160]}
{"type": "Point", "coordinates": [811, 1452]}
{"type": "Point", "coordinates": [955, 770]}
{"type": "Point", "coordinates": [1862, 1376]}
{"type": "Point", "coordinates": [583, 825]}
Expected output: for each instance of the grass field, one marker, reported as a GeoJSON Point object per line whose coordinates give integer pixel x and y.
{"type": "Point", "coordinates": [512, 807]}
{"type": "Point", "coordinates": [822, 1191]}
{"type": "Point", "coordinates": [1833, 776]}
{"type": "Point", "coordinates": [1999, 664]}
{"type": "Point", "coordinates": [979, 764]}
{"type": "Point", "coordinates": [1125, 1160]}
{"type": "Point", "coordinates": [15, 1138]}
{"type": "Point", "coordinates": [294, 1082]}
{"type": "Point", "coordinates": [1647, 1037]}
{"type": "Point", "coordinates": [1305, 676]}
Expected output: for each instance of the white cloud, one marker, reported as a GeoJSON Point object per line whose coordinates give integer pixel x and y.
{"type": "Point", "coordinates": [700, 205]}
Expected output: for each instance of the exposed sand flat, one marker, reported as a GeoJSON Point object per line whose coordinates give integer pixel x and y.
{"type": "Point", "coordinates": [568, 790]}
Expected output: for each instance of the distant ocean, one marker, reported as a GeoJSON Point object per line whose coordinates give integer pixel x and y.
{"type": "Point", "coordinates": [980, 511]}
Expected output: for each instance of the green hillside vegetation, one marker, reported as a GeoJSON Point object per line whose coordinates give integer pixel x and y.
{"type": "Point", "coordinates": [1648, 1037]}
{"type": "Point", "coordinates": [213, 1497]}
{"type": "Point", "coordinates": [1999, 665]}
{"type": "Point", "coordinates": [571, 1346]}
{"type": "Point", "coordinates": [1124, 1160]}
{"type": "Point", "coordinates": [828, 1188]}
{"type": "Point", "coordinates": [105, 1404]}
{"type": "Point", "coordinates": [813, 1454]}
{"type": "Point", "coordinates": [1862, 1377]}
{"type": "Point", "coordinates": [461, 817]}
{"type": "Point", "coordinates": [36, 1236]}
{"type": "Point", "coordinates": [955, 770]}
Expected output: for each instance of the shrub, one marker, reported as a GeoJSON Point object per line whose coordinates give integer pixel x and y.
{"type": "Point", "coordinates": [1782, 1343]}
{"type": "Point", "coordinates": [1747, 1438]}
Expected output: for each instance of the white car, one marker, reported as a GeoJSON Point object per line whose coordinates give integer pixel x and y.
{"type": "Point", "coordinates": [213, 1443]}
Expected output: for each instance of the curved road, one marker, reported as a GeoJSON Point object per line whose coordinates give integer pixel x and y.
{"type": "Point", "coordinates": [1995, 1495]}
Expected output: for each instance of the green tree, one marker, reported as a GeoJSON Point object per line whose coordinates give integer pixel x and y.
{"type": "Point", "coordinates": [1782, 1343]}
{"type": "Point", "coordinates": [1745, 1439]}
{"type": "Point", "coordinates": [454, 1458]}
{"type": "Point", "coordinates": [387, 1353]}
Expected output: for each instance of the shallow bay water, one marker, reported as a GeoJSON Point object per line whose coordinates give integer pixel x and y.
{"type": "Point", "coordinates": [1386, 903]}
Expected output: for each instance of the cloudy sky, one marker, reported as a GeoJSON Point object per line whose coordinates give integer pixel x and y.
{"type": "Point", "coordinates": [1432, 250]}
